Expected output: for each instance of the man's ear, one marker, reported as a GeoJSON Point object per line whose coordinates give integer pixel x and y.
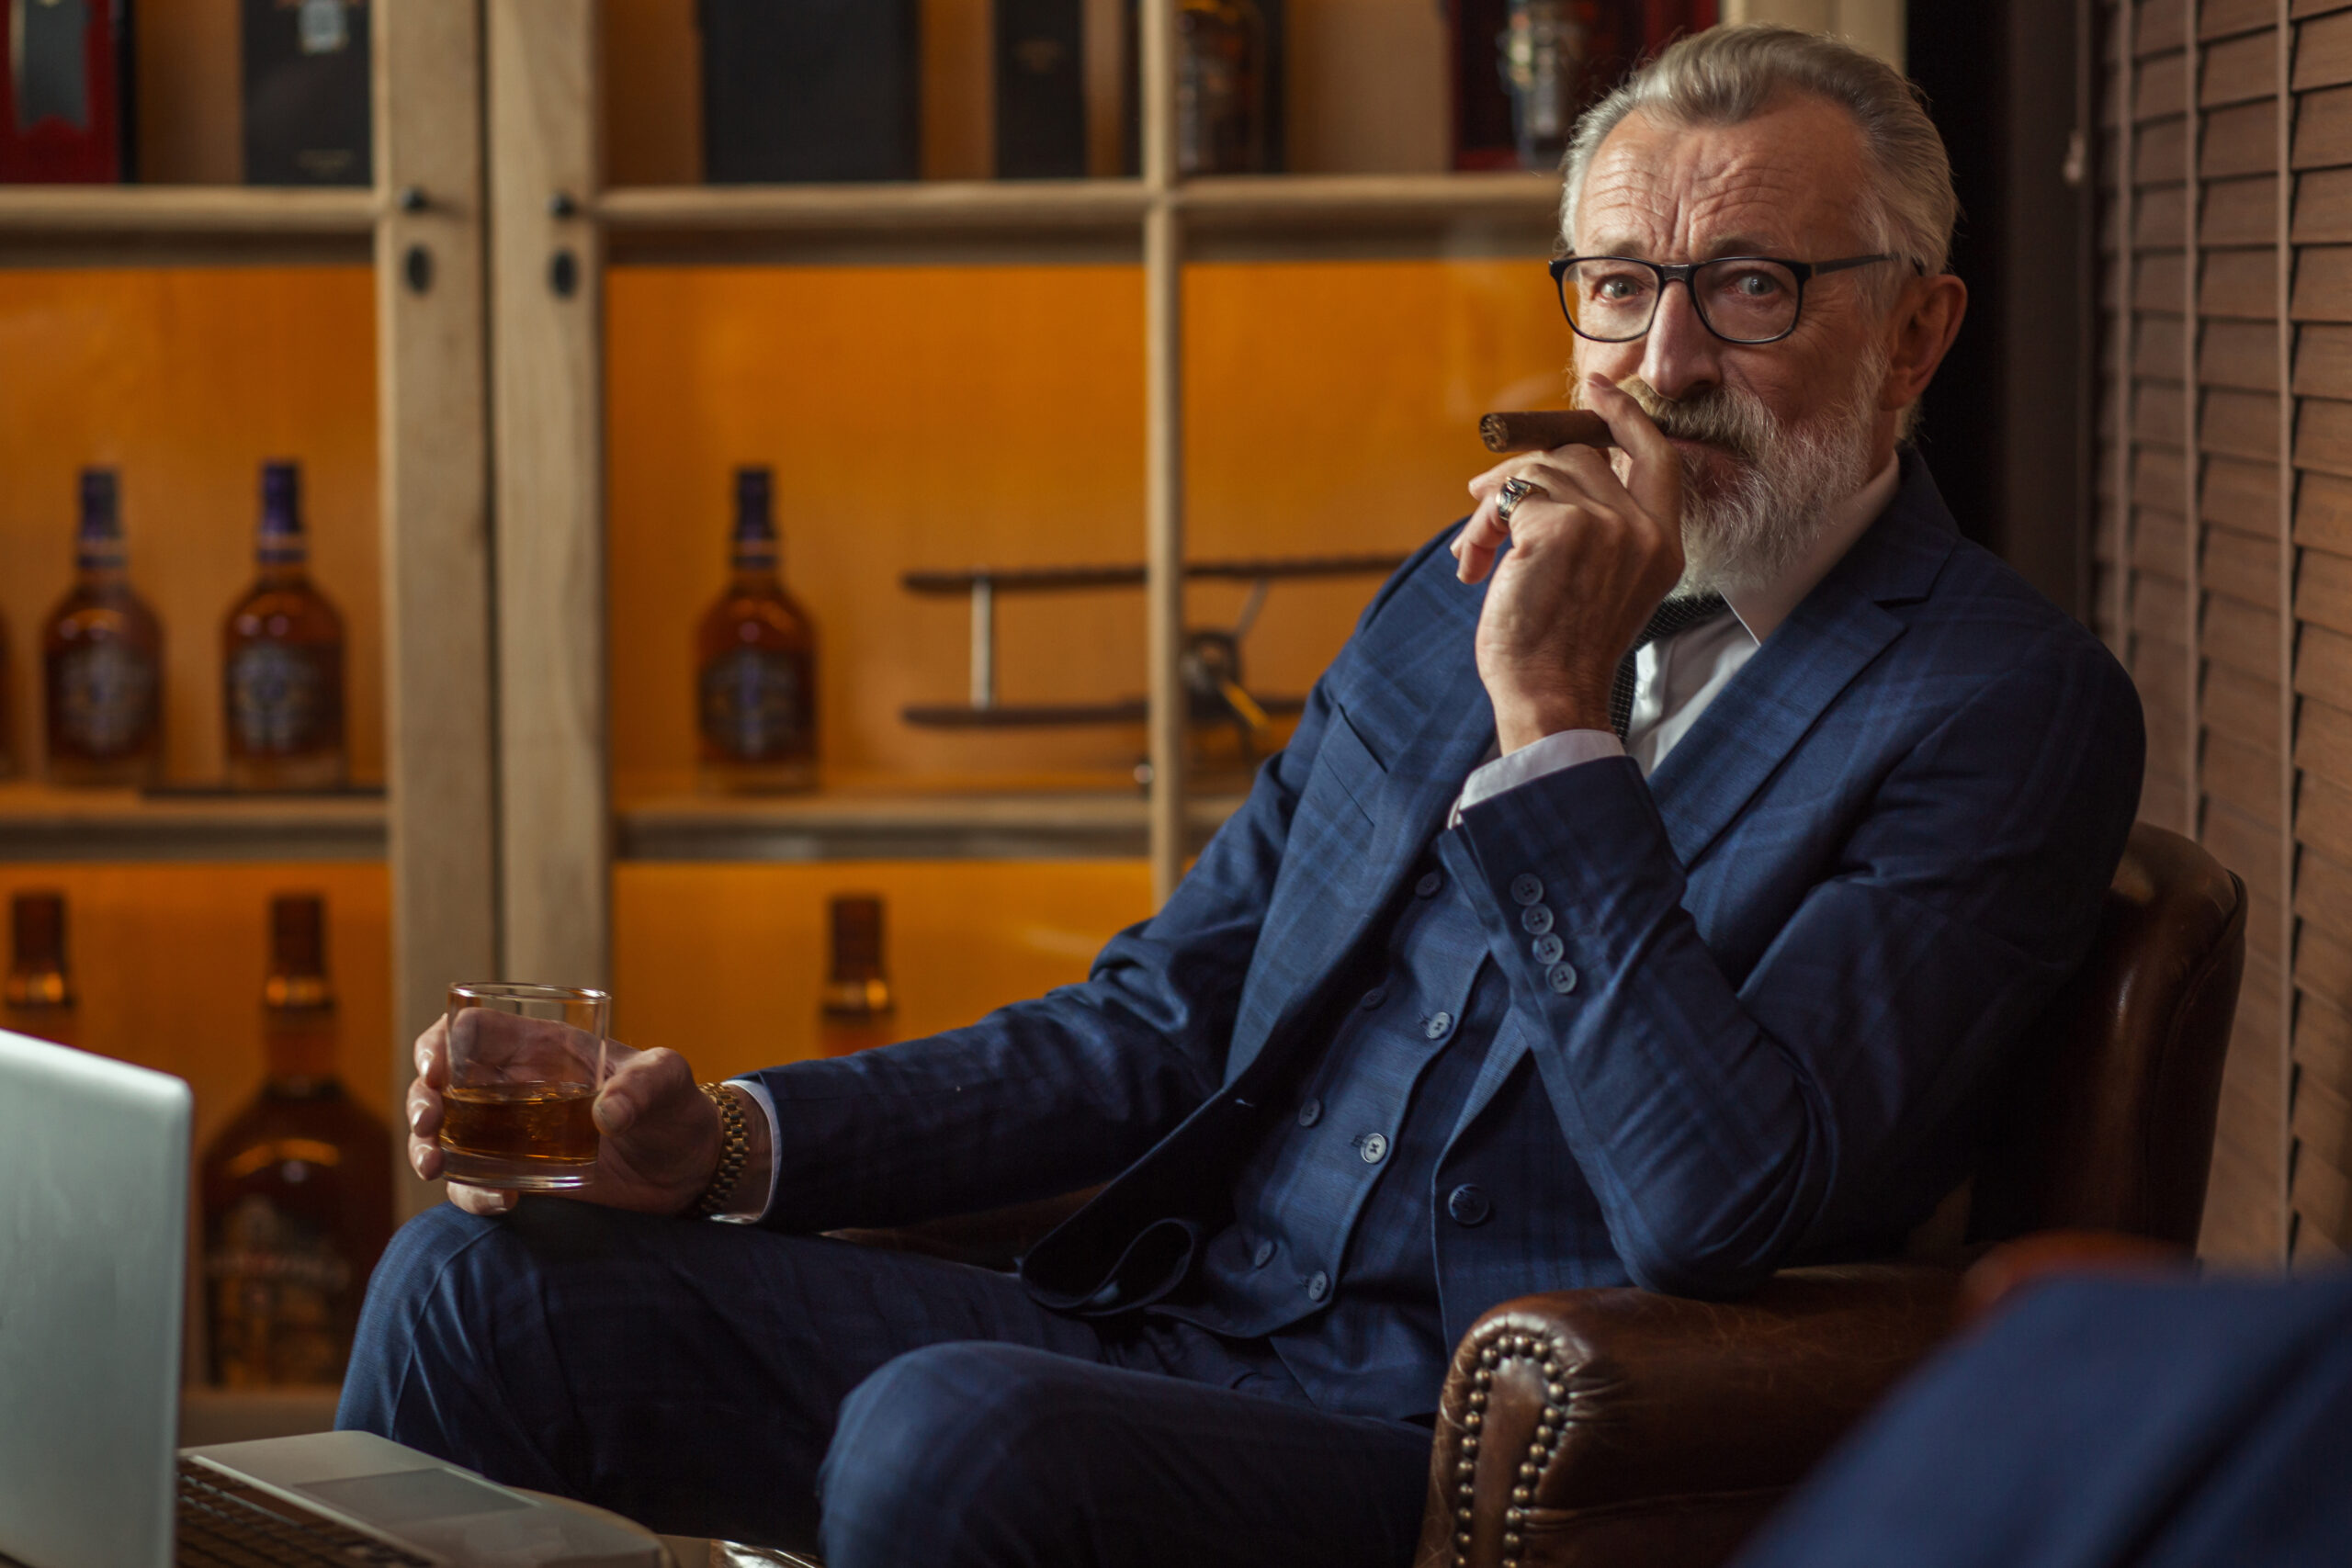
{"type": "Point", "coordinates": [1922, 329]}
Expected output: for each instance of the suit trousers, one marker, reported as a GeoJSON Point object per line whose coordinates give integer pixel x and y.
{"type": "Point", "coordinates": [881, 1407]}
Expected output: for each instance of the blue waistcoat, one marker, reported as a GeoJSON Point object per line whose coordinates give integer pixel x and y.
{"type": "Point", "coordinates": [1330, 1254]}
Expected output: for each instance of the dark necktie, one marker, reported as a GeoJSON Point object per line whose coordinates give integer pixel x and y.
{"type": "Point", "coordinates": [1671, 617]}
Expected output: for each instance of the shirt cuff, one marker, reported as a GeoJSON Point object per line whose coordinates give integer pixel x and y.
{"type": "Point", "coordinates": [747, 1215]}
{"type": "Point", "coordinates": [1550, 755]}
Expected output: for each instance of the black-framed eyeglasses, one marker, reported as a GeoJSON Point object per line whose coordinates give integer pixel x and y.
{"type": "Point", "coordinates": [1746, 299]}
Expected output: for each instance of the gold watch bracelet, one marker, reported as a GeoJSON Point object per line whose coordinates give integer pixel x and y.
{"type": "Point", "coordinates": [734, 1151]}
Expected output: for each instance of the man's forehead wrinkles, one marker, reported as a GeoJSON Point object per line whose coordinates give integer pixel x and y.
{"type": "Point", "coordinates": [1769, 205]}
{"type": "Point", "coordinates": [1679, 193]}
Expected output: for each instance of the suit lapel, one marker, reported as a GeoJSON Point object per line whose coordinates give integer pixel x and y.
{"type": "Point", "coordinates": [1758, 719]}
{"type": "Point", "coordinates": [1441, 709]}
{"type": "Point", "coordinates": [1753, 724]}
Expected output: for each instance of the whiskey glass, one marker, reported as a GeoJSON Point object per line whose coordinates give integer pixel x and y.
{"type": "Point", "coordinates": [524, 1064]}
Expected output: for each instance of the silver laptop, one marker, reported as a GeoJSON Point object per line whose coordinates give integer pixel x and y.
{"type": "Point", "coordinates": [94, 1203]}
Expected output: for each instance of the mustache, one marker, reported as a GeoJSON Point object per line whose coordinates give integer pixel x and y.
{"type": "Point", "coordinates": [1732, 418]}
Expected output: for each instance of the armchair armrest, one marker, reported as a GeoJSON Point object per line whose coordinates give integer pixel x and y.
{"type": "Point", "coordinates": [1613, 1426]}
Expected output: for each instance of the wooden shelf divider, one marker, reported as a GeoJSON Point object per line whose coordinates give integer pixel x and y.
{"type": "Point", "coordinates": [187, 210]}
{"type": "Point", "coordinates": [874, 826]}
{"type": "Point", "coordinates": [922, 204]}
{"type": "Point", "coordinates": [152, 225]}
{"type": "Point", "coordinates": [42, 824]}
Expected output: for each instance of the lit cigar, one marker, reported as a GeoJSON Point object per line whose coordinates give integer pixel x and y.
{"type": "Point", "coordinates": [1542, 430]}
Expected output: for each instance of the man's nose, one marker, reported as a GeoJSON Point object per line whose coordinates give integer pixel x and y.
{"type": "Point", "coordinates": [1680, 356]}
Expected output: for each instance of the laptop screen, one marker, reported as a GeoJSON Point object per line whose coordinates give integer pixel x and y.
{"type": "Point", "coordinates": [93, 1171]}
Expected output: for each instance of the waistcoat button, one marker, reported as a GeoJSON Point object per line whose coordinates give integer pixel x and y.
{"type": "Point", "coordinates": [1310, 1113]}
{"type": "Point", "coordinates": [1263, 1256]}
{"type": "Point", "coordinates": [1563, 977]}
{"type": "Point", "coordinates": [1372, 998]}
{"type": "Point", "coordinates": [1373, 1146]}
{"type": "Point", "coordinates": [1526, 888]}
{"type": "Point", "coordinates": [1318, 1285]}
{"type": "Point", "coordinates": [1428, 885]}
{"type": "Point", "coordinates": [1535, 919]}
{"type": "Point", "coordinates": [1436, 1024]}
{"type": "Point", "coordinates": [1468, 1204]}
{"type": "Point", "coordinates": [1548, 947]}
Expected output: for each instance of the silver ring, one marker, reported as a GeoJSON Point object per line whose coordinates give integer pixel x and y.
{"type": "Point", "coordinates": [1514, 490]}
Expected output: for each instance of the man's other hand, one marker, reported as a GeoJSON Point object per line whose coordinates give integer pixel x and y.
{"type": "Point", "coordinates": [1589, 563]}
{"type": "Point", "coordinates": [658, 1136]}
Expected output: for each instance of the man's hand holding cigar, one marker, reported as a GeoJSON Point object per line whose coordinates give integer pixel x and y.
{"type": "Point", "coordinates": [1593, 554]}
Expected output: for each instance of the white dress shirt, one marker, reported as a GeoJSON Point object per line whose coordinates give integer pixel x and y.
{"type": "Point", "coordinates": [1674, 679]}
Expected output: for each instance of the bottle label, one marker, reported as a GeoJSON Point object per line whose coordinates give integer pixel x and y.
{"type": "Point", "coordinates": [277, 700]}
{"type": "Point", "coordinates": [754, 705]}
{"type": "Point", "coordinates": [278, 1283]}
{"type": "Point", "coordinates": [322, 27]}
{"type": "Point", "coordinates": [106, 699]}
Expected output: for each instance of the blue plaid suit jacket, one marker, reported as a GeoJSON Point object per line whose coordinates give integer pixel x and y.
{"type": "Point", "coordinates": [1806, 945]}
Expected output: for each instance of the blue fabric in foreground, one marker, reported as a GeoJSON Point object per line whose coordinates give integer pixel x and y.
{"type": "Point", "coordinates": [2103, 1423]}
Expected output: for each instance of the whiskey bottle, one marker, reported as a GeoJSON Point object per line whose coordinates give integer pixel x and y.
{"type": "Point", "coordinates": [297, 1190]}
{"type": "Point", "coordinates": [1557, 56]}
{"type": "Point", "coordinates": [858, 1008]}
{"type": "Point", "coordinates": [39, 990]}
{"type": "Point", "coordinates": [755, 663]}
{"type": "Point", "coordinates": [305, 74]}
{"type": "Point", "coordinates": [1221, 80]}
{"type": "Point", "coordinates": [65, 72]}
{"type": "Point", "coordinates": [281, 659]}
{"type": "Point", "coordinates": [810, 90]}
{"type": "Point", "coordinates": [102, 659]}
{"type": "Point", "coordinates": [1040, 89]}
{"type": "Point", "coordinates": [7, 711]}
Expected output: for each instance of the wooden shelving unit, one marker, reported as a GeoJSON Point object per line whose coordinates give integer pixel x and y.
{"type": "Point", "coordinates": [421, 228]}
{"type": "Point", "coordinates": [500, 835]}
{"type": "Point", "coordinates": [557, 872]}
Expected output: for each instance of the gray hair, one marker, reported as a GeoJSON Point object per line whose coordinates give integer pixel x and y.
{"type": "Point", "coordinates": [1728, 75]}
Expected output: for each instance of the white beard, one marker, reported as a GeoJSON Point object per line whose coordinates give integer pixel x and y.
{"type": "Point", "coordinates": [1740, 535]}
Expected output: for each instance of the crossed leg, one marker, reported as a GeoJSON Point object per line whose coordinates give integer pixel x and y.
{"type": "Point", "coordinates": [722, 1381]}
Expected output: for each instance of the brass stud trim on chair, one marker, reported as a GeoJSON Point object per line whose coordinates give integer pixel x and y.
{"type": "Point", "coordinates": [1550, 1359]}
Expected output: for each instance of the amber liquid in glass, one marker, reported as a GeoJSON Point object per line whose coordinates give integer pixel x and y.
{"type": "Point", "coordinates": [296, 1191]}
{"type": "Point", "coordinates": [542, 1124]}
{"type": "Point", "coordinates": [281, 660]}
{"type": "Point", "coordinates": [755, 664]}
{"type": "Point", "coordinates": [102, 659]}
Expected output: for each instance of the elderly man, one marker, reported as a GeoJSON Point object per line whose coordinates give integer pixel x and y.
{"type": "Point", "coordinates": [1533, 963]}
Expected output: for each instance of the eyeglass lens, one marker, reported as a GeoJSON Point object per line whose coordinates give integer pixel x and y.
{"type": "Point", "coordinates": [1738, 298]}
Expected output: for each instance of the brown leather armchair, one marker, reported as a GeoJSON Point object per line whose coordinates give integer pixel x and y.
{"type": "Point", "coordinates": [1616, 1426]}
